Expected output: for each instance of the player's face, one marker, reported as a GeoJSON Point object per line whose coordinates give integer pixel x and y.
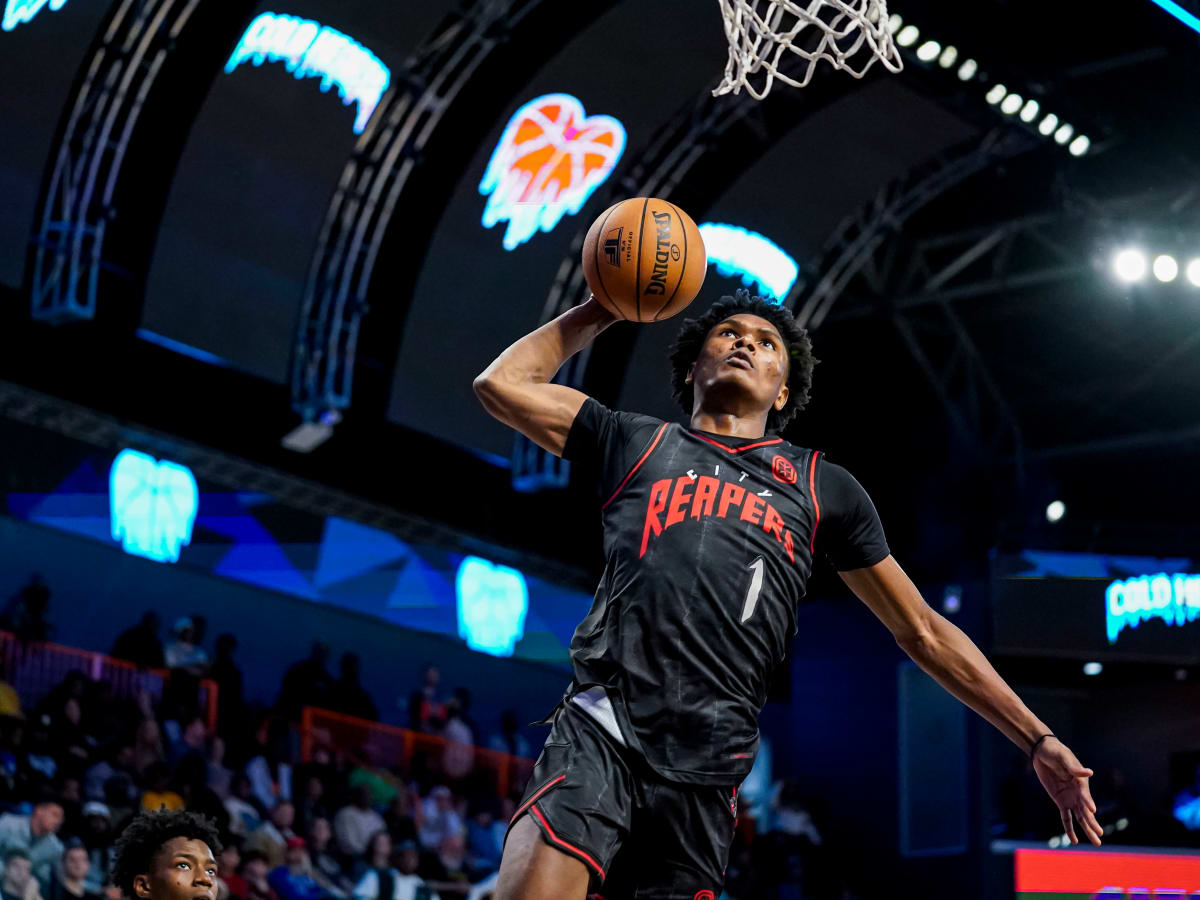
{"type": "Point", "coordinates": [743, 358]}
{"type": "Point", "coordinates": [183, 869]}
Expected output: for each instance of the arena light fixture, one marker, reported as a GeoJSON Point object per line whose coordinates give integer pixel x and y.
{"type": "Point", "coordinates": [996, 94]}
{"type": "Point", "coordinates": [1048, 124]}
{"type": "Point", "coordinates": [1193, 272]}
{"type": "Point", "coordinates": [967, 70]}
{"type": "Point", "coordinates": [1092, 668]}
{"type": "Point", "coordinates": [948, 57]}
{"type": "Point", "coordinates": [1029, 111]}
{"type": "Point", "coordinates": [1010, 104]}
{"type": "Point", "coordinates": [1080, 145]}
{"type": "Point", "coordinates": [907, 36]}
{"type": "Point", "coordinates": [1064, 133]}
{"type": "Point", "coordinates": [929, 51]}
{"type": "Point", "coordinates": [1129, 265]}
{"type": "Point", "coordinates": [1165, 267]}
{"type": "Point", "coordinates": [894, 23]}
{"type": "Point", "coordinates": [1055, 510]}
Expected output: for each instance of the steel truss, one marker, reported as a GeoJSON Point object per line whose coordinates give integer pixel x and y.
{"type": "Point", "coordinates": [69, 243]}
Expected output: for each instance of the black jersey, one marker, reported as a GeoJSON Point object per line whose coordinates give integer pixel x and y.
{"type": "Point", "coordinates": [708, 543]}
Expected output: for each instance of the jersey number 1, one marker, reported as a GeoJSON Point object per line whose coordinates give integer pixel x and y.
{"type": "Point", "coordinates": [755, 587]}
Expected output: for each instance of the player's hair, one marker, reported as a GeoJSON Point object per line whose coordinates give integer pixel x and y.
{"type": "Point", "coordinates": [686, 350]}
{"type": "Point", "coordinates": [139, 843]}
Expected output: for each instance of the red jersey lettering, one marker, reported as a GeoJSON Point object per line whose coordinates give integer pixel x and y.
{"type": "Point", "coordinates": [731, 495]}
{"type": "Point", "coordinates": [773, 522]}
{"type": "Point", "coordinates": [658, 502]}
{"type": "Point", "coordinates": [706, 494]}
{"type": "Point", "coordinates": [683, 493]}
{"type": "Point", "coordinates": [751, 509]}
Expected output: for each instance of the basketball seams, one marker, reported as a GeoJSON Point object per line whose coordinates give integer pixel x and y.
{"type": "Point", "coordinates": [682, 264]}
{"type": "Point", "coordinates": [596, 257]}
{"type": "Point", "coordinates": [637, 292]}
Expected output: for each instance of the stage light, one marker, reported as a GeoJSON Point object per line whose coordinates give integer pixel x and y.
{"type": "Point", "coordinates": [1055, 511]}
{"type": "Point", "coordinates": [1064, 133]}
{"type": "Point", "coordinates": [894, 23]}
{"type": "Point", "coordinates": [152, 505]}
{"type": "Point", "coordinates": [996, 94]}
{"type": "Point", "coordinates": [1048, 125]}
{"type": "Point", "coordinates": [1092, 668]}
{"type": "Point", "coordinates": [1010, 104]}
{"type": "Point", "coordinates": [1029, 111]}
{"type": "Point", "coordinates": [1193, 272]}
{"type": "Point", "coordinates": [1130, 265]}
{"type": "Point", "coordinates": [948, 58]}
{"type": "Point", "coordinates": [1165, 267]}
{"type": "Point", "coordinates": [1080, 145]}
{"type": "Point", "coordinates": [908, 35]}
{"type": "Point", "coordinates": [967, 70]}
{"type": "Point", "coordinates": [929, 51]}
{"type": "Point", "coordinates": [952, 599]}
{"type": "Point", "coordinates": [493, 602]}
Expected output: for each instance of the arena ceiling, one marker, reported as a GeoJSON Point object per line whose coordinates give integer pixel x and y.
{"type": "Point", "coordinates": [978, 361]}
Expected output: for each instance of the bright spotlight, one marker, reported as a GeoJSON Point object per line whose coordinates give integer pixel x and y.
{"type": "Point", "coordinates": [1055, 511]}
{"type": "Point", "coordinates": [908, 35]}
{"type": "Point", "coordinates": [929, 51]}
{"type": "Point", "coordinates": [1080, 145]}
{"type": "Point", "coordinates": [948, 58]}
{"type": "Point", "coordinates": [1193, 272]}
{"type": "Point", "coordinates": [967, 70]}
{"type": "Point", "coordinates": [996, 94]}
{"type": "Point", "coordinates": [1165, 267]}
{"type": "Point", "coordinates": [1048, 124]}
{"type": "Point", "coordinates": [1029, 111]}
{"type": "Point", "coordinates": [1064, 133]}
{"type": "Point", "coordinates": [1092, 668]}
{"type": "Point", "coordinates": [894, 23]}
{"type": "Point", "coordinates": [1011, 104]}
{"type": "Point", "coordinates": [1129, 265]}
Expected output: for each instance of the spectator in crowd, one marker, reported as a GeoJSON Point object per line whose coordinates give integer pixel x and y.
{"type": "Point", "coordinates": [510, 740]}
{"type": "Point", "coordinates": [140, 644]}
{"type": "Point", "coordinates": [197, 796]}
{"type": "Point", "coordinates": [447, 869]}
{"type": "Point", "coordinates": [217, 775]}
{"type": "Point", "coordinates": [35, 835]}
{"type": "Point", "coordinates": [147, 745]}
{"type": "Point", "coordinates": [354, 824]}
{"type": "Point", "coordinates": [117, 763]}
{"type": "Point", "coordinates": [293, 880]}
{"type": "Point", "coordinates": [18, 882]}
{"type": "Point", "coordinates": [25, 613]}
{"type": "Point", "coordinates": [158, 793]}
{"type": "Point", "coordinates": [307, 683]}
{"type": "Point", "coordinates": [326, 869]}
{"type": "Point", "coordinates": [381, 881]}
{"type": "Point", "coordinates": [441, 818]}
{"type": "Point", "coordinates": [69, 879]}
{"type": "Point", "coordinates": [484, 846]}
{"type": "Point", "coordinates": [97, 839]}
{"type": "Point", "coordinates": [244, 813]}
{"type": "Point", "coordinates": [311, 803]}
{"type": "Point", "coordinates": [269, 771]}
{"type": "Point", "coordinates": [426, 711]}
{"type": "Point", "coordinates": [192, 740]}
{"type": "Point", "coordinates": [10, 701]}
{"type": "Point", "coordinates": [348, 695]}
{"type": "Point", "coordinates": [458, 757]}
{"type": "Point", "coordinates": [255, 870]}
{"type": "Point", "coordinates": [229, 882]}
{"type": "Point", "coordinates": [401, 816]}
{"type": "Point", "coordinates": [271, 837]}
{"type": "Point", "coordinates": [185, 651]}
{"type": "Point", "coordinates": [231, 709]}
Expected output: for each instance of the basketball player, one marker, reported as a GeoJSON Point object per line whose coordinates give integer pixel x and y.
{"type": "Point", "coordinates": [167, 855]}
{"type": "Point", "coordinates": [709, 535]}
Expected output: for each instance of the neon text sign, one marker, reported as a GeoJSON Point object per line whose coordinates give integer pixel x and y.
{"type": "Point", "coordinates": [309, 50]}
{"type": "Point", "coordinates": [152, 505]}
{"type": "Point", "coordinates": [757, 259]}
{"type": "Point", "coordinates": [18, 12]}
{"type": "Point", "coordinates": [1173, 598]}
{"type": "Point", "coordinates": [548, 162]}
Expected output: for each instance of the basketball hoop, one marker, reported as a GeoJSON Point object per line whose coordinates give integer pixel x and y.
{"type": "Point", "coordinates": [850, 34]}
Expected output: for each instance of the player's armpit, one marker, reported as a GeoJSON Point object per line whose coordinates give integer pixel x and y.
{"type": "Point", "coordinates": [895, 600]}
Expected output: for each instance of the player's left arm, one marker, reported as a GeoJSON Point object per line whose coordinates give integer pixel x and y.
{"type": "Point", "coordinates": [951, 658]}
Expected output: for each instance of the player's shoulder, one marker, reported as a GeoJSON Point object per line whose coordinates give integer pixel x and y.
{"type": "Point", "coordinates": [629, 420]}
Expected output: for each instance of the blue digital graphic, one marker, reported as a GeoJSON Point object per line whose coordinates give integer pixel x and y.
{"type": "Point", "coordinates": [1173, 598]}
{"type": "Point", "coordinates": [152, 505]}
{"type": "Point", "coordinates": [1180, 13]}
{"type": "Point", "coordinates": [17, 12]}
{"type": "Point", "coordinates": [492, 603]}
{"type": "Point", "coordinates": [1186, 810]}
{"type": "Point", "coordinates": [310, 50]}
{"type": "Point", "coordinates": [757, 259]}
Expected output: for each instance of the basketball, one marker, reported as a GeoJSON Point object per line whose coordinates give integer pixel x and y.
{"type": "Point", "coordinates": [644, 259]}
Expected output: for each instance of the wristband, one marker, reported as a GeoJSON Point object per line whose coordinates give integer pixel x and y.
{"type": "Point", "coordinates": [1033, 750]}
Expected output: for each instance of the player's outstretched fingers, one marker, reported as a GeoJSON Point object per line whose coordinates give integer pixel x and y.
{"type": "Point", "coordinates": [1068, 825]}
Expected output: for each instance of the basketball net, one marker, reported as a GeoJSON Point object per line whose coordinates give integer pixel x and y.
{"type": "Point", "coordinates": [850, 34]}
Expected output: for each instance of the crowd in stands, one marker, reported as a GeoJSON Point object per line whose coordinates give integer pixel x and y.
{"type": "Point", "coordinates": [79, 762]}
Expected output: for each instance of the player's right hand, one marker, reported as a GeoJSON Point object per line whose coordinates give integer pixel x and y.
{"type": "Point", "coordinates": [1065, 779]}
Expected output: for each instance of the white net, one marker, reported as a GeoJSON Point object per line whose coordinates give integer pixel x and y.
{"type": "Point", "coordinates": [779, 39]}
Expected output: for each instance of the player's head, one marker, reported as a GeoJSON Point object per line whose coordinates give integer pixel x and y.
{"type": "Point", "coordinates": [167, 855]}
{"type": "Point", "coordinates": [777, 378]}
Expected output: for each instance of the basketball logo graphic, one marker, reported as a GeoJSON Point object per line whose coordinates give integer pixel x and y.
{"type": "Point", "coordinates": [549, 160]}
{"type": "Point", "coordinates": [612, 247]}
{"type": "Point", "coordinates": [783, 470]}
{"type": "Point", "coordinates": [705, 895]}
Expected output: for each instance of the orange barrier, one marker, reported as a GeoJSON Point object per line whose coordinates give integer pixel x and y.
{"type": "Point", "coordinates": [34, 668]}
{"type": "Point", "coordinates": [399, 750]}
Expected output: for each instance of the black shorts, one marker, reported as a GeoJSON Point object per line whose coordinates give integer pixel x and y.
{"type": "Point", "coordinates": [639, 835]}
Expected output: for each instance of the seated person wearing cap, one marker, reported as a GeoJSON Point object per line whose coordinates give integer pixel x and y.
{"type": "Point", "coordinates": [294, 879]}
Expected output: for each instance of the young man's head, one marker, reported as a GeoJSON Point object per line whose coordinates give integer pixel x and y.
{"type": "Point", "coordinates": [743, 357]}
{"type": "Point", "coordinates": [167, 855]}
{"type": "Point", "coordinates": [46, 818]}
{"type": "Point", "coordinates": [75, 861]}
{"type": "Point", "coordinates": [18, 869]}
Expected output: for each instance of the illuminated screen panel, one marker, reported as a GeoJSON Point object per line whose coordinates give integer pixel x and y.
{"type": "Point", "coordinates": [1105, 874]}
{"type": "Point", "coordinates": [259, 169]}
{"type": "Point", "coordinates": [42, 43]}
{"type": "Point", "coordinates": [485, 285]}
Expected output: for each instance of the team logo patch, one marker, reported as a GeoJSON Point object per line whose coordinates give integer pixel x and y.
{"type": "Point", "coordinates": [783, 470]}
{"type": "Point", "coordinates": [705, 895]}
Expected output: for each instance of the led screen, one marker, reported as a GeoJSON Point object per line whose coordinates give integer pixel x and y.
{"type": "Point", "coordinates": [41, 47]}
{"type": "Point", "coordinates": [1105, 875]}
{"type": "Point", "coordinates": [259, 169]}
